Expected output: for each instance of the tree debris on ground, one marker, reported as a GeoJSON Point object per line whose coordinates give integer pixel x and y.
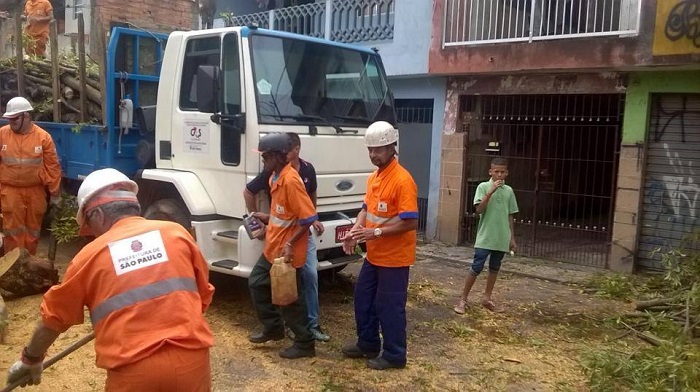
{"type": "Point", "coordinates": [666, 316]}
{"type": "Point", "coordinates": [22, 274]}
{"type": "Point", "coordinates": [39, 89]}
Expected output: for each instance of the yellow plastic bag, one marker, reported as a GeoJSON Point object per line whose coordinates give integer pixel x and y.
{"type": "Point", "coordinates": [283, 278]}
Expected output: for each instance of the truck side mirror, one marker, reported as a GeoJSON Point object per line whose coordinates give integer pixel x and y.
{"type": "Point", "coordinates": [208, 88]}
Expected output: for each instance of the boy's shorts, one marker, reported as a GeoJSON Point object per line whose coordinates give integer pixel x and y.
{"type": "Point", "coordinates": [480, 256]}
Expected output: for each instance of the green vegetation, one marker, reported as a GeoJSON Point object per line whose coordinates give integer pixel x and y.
{"type": "Point", "coordinates": [667, 318]}
{"type": "Point", "coordinates": [64, 227]}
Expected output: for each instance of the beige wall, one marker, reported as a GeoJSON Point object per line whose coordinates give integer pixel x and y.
{"type": "Point", "coordinates": [624, 236]}
{"type": "Point", "coordinates": [451, 188]}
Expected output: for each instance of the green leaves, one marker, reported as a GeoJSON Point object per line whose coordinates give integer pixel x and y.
{"type": "Point", "coordinates": [64, 227]}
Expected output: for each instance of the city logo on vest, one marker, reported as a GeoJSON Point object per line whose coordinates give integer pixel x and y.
{"type": "Point", "coordinates": [134, 253]}
{"type": "Point", "coordinates": [136, 245]}
{"type": "Point", "coordinates": [38, 150]}
{"type": "Point", "coordinates": [382, 207]}
{"type": "Point", "coordinates": [279, 209]}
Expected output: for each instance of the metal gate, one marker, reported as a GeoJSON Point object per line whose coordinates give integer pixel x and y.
{"type": "Point", "coordinates": [562, 152]}
{"type": "Point", "coordinates": [415, 121]}
{"type": "Point", "coordinates": [671, 205]}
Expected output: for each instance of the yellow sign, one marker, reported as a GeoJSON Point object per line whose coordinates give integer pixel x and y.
{"type": "Point", "coordinates": [677, 27]}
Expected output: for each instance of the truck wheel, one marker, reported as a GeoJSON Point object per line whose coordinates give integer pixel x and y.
{"type": "Point", "coordinates": [169, 210]}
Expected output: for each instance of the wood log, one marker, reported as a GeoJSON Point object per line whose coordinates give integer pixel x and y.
{"type": "Point", "coordinates": [92, 93]}
{"type": "Point", "coordinates": [23, 274]}
{"type": "Point", "coordinates": [41, 81]}
{"type": "Point", "coordinates": [642, 305]}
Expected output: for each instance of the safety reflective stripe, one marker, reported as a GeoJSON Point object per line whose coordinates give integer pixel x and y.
{"type": "Point", "coordinates": [280, 222]}
{"type": "Point", "coordinates": [15, 231]}
{"type": "Point", "coordinates": [378, 220]}
{"type": "Point", "coordinates": [143, 293]}
{"type": "Point", "coordinates": [22, 161]}
{"type": "Point", "coordinates": [34, 233]}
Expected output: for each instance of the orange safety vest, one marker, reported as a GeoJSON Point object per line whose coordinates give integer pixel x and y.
{"type": "Point", "coordinates": [29, 159]}
{"type": "Point", "coordinates": [145, 284]}
{"type": "Point", "coordinates": [290, 208]}
{"type": "Point", "coordinates": [390, 194]}
{"type": "Point", "coordinates": [38, 8]}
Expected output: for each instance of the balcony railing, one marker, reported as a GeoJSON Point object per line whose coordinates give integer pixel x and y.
{"type": "Point", "coordinates": [471, 22]}
{"type": "Point", "coordinates": [350, 21]}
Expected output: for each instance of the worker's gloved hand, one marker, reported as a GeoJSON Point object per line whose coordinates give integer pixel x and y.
{"type": "Point", "coordinates": [20, 370]}
{"type": "Point", "coordinates": [55, 200]}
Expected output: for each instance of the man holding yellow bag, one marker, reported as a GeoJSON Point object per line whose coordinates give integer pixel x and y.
{"type": "Point", "coordinates": [286, 235]}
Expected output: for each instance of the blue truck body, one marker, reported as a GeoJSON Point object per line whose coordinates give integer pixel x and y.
{"type": "Point", "coordinates": [83, 148]}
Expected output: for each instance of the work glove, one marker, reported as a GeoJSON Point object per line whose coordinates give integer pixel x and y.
{"type": "Point", "coordinates": [20, 370]}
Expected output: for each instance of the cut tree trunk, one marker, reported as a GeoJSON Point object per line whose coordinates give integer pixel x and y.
{"type": "Point", "coordinates": [22, 274]}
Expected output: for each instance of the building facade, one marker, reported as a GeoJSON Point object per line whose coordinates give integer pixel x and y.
{"type": "Point", "coordinates": [594, 104]}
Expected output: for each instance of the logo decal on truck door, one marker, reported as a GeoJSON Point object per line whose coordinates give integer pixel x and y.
{"type": "Point", "coordinates": [196, 136]}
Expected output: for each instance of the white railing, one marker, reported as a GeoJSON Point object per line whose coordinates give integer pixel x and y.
{"type": "Point", "coordinates": [470, 22]}
{"type": "Point", "coordinates": [350, 21]}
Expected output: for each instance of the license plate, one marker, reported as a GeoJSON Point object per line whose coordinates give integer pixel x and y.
{"type": "Point", "coordinates": [341, 231]}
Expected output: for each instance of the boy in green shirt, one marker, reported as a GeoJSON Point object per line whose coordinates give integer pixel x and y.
{"type": "Point", "coordinates": [495, 203]}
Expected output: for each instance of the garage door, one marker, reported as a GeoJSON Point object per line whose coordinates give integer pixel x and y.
{"type": "Point", "coordinates": [671, 208]}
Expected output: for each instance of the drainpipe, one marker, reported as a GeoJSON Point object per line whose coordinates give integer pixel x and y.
{"type": "Point", "coordinates": [328, 25]}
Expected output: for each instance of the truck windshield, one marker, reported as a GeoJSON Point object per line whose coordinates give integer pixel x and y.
{"type": "Point", "coordinates": [298, 81]}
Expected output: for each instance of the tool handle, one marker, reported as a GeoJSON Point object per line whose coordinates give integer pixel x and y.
{"type": "Point", "coordinates": [47, 364]}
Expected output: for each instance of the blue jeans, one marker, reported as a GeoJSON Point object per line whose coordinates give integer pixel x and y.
{"type": "Point", "coordinates": [380, 300]}
{"type": "Point", "coordinates": [309, 274]}
{"type": "Point", "coordinates": [480, 256]}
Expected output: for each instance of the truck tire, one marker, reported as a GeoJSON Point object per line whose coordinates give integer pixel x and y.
{"type": "Point", "coordinates": [169, 210]}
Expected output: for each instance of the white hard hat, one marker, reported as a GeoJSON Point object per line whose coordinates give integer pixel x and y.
{"type": "Point", "coordinates": [16, 106]}
{"type": "Point", "coordinates": [380, 134]}
{"type": "Point", "coordinates": [97, 181]}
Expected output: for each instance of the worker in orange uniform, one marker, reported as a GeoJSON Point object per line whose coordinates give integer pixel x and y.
{"type": "Point", "coordinates": [286, 235]}
{"type": "Point", "coordinates": [28, 165]}
{"type": "Point", "coordinates": [145, 283]}
{"type": "Point", "coordinates": [38, 14]}
{"type": "Point", "coordinates": [387, 222]}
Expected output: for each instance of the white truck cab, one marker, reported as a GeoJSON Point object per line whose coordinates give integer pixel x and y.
{"type": "Point", "coordinates": [220, 90]}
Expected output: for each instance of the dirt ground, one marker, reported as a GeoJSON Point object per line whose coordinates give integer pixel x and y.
{"type": "Point", "coordinates": [534, 345]}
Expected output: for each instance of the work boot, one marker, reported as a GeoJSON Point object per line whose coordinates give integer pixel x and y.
{"type": "Point", "coordinates": [295, 352]}
{"type": "Point", "coordinates": [380, 363]}
{"type": "Point", "coordinates": [262, 337]}
{"type": "Point", "coordinates": [319, 335]}
{"type": "Point", "coordinates": [352, 351]}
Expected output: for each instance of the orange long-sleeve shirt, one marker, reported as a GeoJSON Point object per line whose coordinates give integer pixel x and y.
{"type": "Point", "coordinates": [37, 8]}
{"type": "Point", "coordinates": [146, 285]}
{"type": "Point", "coordinates": [29, 159]}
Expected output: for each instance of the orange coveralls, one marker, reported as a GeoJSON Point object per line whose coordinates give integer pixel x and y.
{"type": "Point", "coordinates": [28, 164]}
{"type": "Point", "coordinates": [146, 285]}
{"type": "Point", "coordinates": [39, 31]}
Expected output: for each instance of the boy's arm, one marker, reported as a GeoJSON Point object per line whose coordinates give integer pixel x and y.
{"type": "Point", "coordinates": [513, 245]}
{"type": "Point", "coordinates": [481, 207]}
{"type": "Point", "coordinates": [512, 210]}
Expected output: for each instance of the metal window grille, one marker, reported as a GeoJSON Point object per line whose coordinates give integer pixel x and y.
{"type": "Point", "coordinates": [470, 22]}
{"type": "Point", "coordinates": [562, 153]}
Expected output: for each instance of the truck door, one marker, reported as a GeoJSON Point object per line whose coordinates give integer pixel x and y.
{"type": "Point", "coordinates": [211, 139]}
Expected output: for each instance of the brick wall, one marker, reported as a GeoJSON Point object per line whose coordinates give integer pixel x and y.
{"type": "Point", "coordinates": [451, 188]}
{"type": "Point", "coordinates": [629, 182]}
{"type": "Point", "coordinates": [161, 15]}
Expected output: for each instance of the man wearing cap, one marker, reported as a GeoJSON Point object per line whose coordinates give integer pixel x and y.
{"type": "Point", "coordinates": [387, 224]}
{"type": "Point", "coordinates": [145, 283]}
{"type": "Point", "coordinates": [309, 272]}
{"type": "Point", "coordinates": [28, 167]}
{"type": "Point", "coordinates": [286, 235]}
